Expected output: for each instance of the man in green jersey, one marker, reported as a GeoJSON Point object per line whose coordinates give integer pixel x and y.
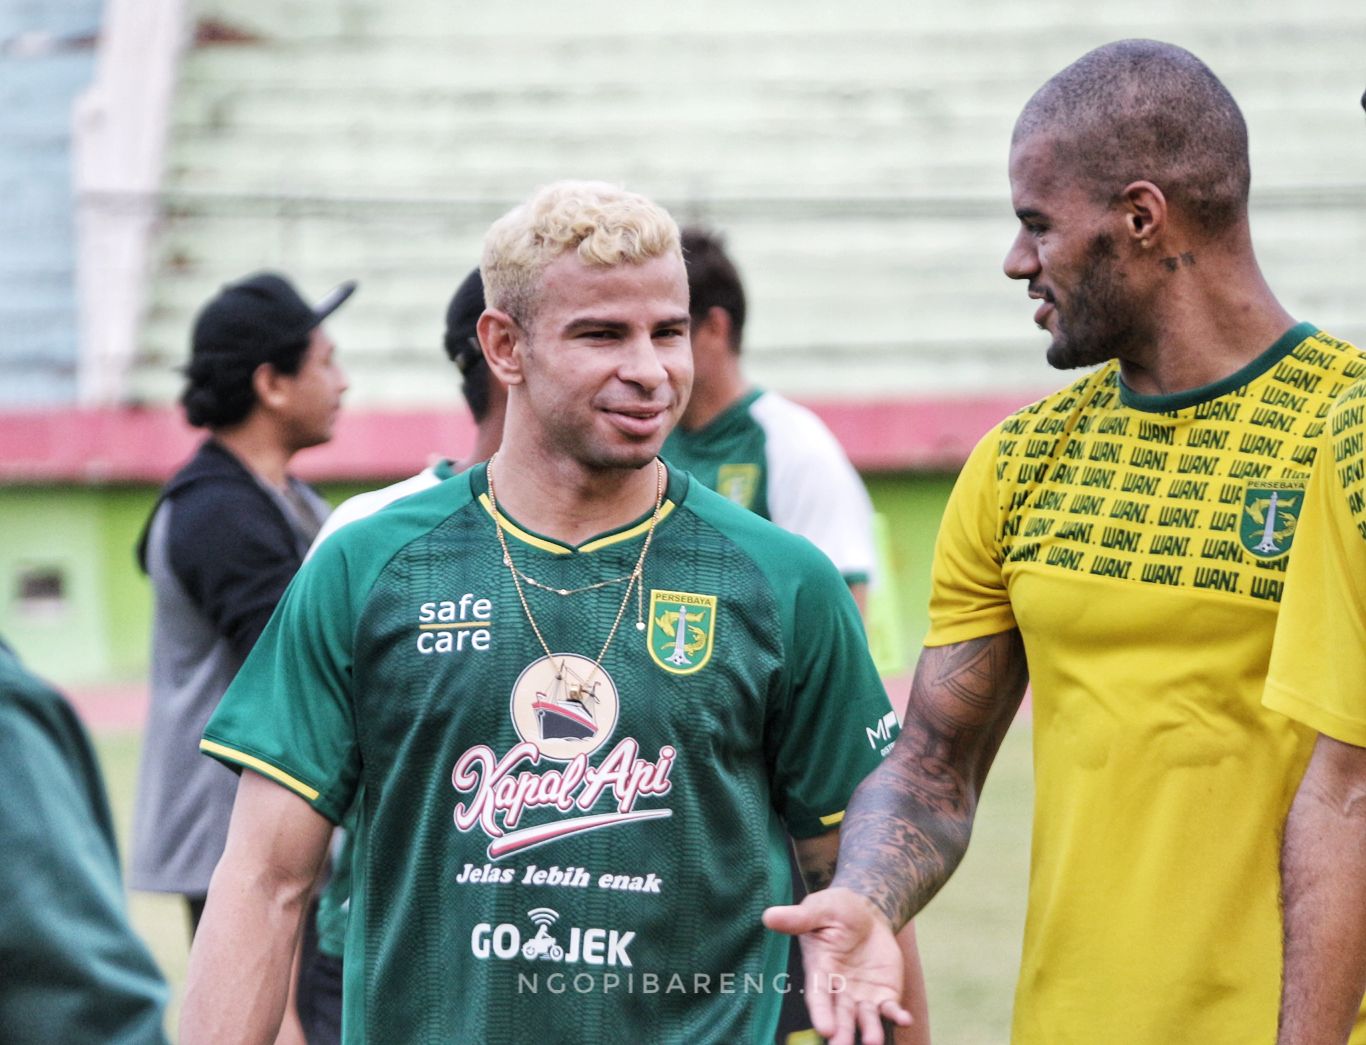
{"type": "Point", "coordinates": [1121, 546]}
{"type": "Point", "coordinates": [579, 701]}
{"type": "Point", "coordinates": [756, 447]}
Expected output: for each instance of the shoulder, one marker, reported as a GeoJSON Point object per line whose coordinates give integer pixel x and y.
{"type": "Point", "coordinates": [1324, 351]}
{"type": "Point", "coordinates": [791, 423]}
{"type": "Point", "coordinates": [211, 466]}
{"type": "Point", "coordinates": [1057, 413]}
{"type": "Point", "coordinates": [362, 505]}
{"type": "Point", "coordinates": [779, 554]}
{"type": "Point", "coordinates": [1347, 421]}
{"type": "Point", "coordinates": [215, 486]}
{"type": "Point", "coordinates": [30, 707]}
{"type": "Point", "coordinates": [1349, 403]}
{"type": "Point", "coordinates": [375, 537]}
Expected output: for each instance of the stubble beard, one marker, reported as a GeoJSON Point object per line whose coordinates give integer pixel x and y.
{"type": "Point", "coordinates": [1102, 320]}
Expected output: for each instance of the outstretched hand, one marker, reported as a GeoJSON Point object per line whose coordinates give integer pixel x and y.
{"type": "Point", "coordinates": [853, 964]}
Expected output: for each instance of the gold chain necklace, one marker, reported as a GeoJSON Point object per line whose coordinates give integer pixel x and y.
{"type": "Point", "coordinates": [634, 579]}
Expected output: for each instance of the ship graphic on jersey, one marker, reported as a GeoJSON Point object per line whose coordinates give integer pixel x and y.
{"type": "Point", "coordinates": [566, 712]}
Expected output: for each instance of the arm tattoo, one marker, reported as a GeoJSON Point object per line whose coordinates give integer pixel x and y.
{"type": "Point", "coordinates": [908, 823]}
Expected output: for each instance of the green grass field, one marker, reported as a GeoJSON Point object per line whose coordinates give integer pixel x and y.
{"type": "Point", "coordinates": [969, 935]}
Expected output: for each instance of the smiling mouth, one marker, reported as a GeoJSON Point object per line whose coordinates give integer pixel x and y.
{"type": "Point", "coordinates": [637, 420]}
{"type": "Point", "coordinates": [1047, 307]}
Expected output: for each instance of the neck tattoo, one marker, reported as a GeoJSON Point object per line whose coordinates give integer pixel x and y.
{"type": "Point", "coordinates": [634, 579]}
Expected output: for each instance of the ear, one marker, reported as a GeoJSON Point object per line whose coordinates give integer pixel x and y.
{"type": "Point", "coordinates": [712, 329]}
{"type": "Point", "coordinates": [270, 386]}
{"type": "Point", "coordinates": [1145, 212]}
{"type": "Point", "coordinates": [503, 341]}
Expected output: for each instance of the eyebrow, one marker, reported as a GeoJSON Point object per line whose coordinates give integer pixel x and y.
{"type": "Point", "coordinates": [1028, 214]}
{"type": "Point", "coordinates": [592, 323]}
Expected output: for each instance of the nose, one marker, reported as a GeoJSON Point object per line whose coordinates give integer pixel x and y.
{"type": "Point", "coordinates": [1022, 260]}
{"type": "Point", "coordinates": [640, 364]}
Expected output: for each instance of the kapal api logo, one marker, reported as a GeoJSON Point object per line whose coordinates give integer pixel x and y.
{"type": "Point", "coordinates": [564, 708]}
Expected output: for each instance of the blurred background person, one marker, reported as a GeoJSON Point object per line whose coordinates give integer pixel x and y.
{"type": "Point", "coordinates": [758, 448]}
{"type": "Point", "coordinates": [71, 967]}
{"type": "Point", "coordinates": [484, 394]}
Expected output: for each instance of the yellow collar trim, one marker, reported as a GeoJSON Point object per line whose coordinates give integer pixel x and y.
{"type": "Point", "coordinates": [522, 535]}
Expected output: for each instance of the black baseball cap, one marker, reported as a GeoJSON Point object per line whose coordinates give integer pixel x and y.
{"type": "Point", "coordinates": [250, 319]}
{"type": "Point", "coordinates": [462, 319]}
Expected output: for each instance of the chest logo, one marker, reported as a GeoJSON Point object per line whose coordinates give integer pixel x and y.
{"type": "Point", "coordinates": [1271, 512]}
{"type": "Point", "coordinates": [682, 630]}
{"type": "Point", "coordinates": [738, 483]}
{"type": "Point", "coordinates": [563, 710]}
{"type": "Point", "coordinates": [564, 706]}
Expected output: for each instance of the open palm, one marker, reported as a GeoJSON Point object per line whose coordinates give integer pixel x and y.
{"type": "Point", "coordinates": [853, 964]}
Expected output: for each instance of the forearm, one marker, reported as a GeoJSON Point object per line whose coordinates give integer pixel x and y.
{"type": "Point", "coordinates": [244, 950]}
{"type": "Point", "coordinates": [908, 824]}
{"type": "Point", "coordinates": [243, 953]}
{"type": "Point", "coordinates": [903, 837]}
{"type": "Point", "coordinates": [1324, 891]}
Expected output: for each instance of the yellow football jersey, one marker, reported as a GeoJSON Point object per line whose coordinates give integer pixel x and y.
{"type": "Point", "coordinates": [1318, 663]}
{"type": "Point", "coordinates": [1139, 543]}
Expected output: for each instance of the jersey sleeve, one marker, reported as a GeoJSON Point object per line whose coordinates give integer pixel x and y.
{"type": "Point", "coordinates": [288, 714]}
{"type": "Point", "coordinates": [1318, 660]}
{"type": "Point", "coordinates": [835, 723]}
{"type": "Point", "coordinates": [814, 491]}
{"type": "Point", "coordinates": [968, 596]}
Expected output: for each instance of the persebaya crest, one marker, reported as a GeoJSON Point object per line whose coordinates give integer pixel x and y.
{"type": "Point", "coordinates": [738, 483]}
{"type": "Point", "coordinates": [682, 630]}
{"type": "Point", "coordinates": [1271, 511]}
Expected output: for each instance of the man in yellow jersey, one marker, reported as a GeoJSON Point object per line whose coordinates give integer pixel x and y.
{"type": "Point", "coordinates": [1121, 545]}
{"type": "Point", "coordinates": [1318, 677]}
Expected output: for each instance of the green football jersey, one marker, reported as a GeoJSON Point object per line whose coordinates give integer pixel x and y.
{"type": "Point", "coordinates": [547, 852]}
{"type": "Point", "coordinates": [777, 458]}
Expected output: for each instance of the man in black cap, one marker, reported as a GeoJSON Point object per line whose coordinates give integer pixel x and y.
{"type": "Point", "coordinates": [226, 536]}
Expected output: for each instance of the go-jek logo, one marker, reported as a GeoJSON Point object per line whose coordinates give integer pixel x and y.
{"type": "Point", "coordinates": [586, 946]}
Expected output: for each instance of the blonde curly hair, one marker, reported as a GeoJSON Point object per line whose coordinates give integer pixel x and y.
{"type": "Point", "coordinates": [606, 225]}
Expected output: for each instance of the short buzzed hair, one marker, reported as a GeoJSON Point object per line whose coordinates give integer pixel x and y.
{"type": "Point", "coordinates": [1138, 110]}
{"type": "Point", "coordinates": [605, 224]}
{"type": "Point", "coordinates": [713, 281]}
